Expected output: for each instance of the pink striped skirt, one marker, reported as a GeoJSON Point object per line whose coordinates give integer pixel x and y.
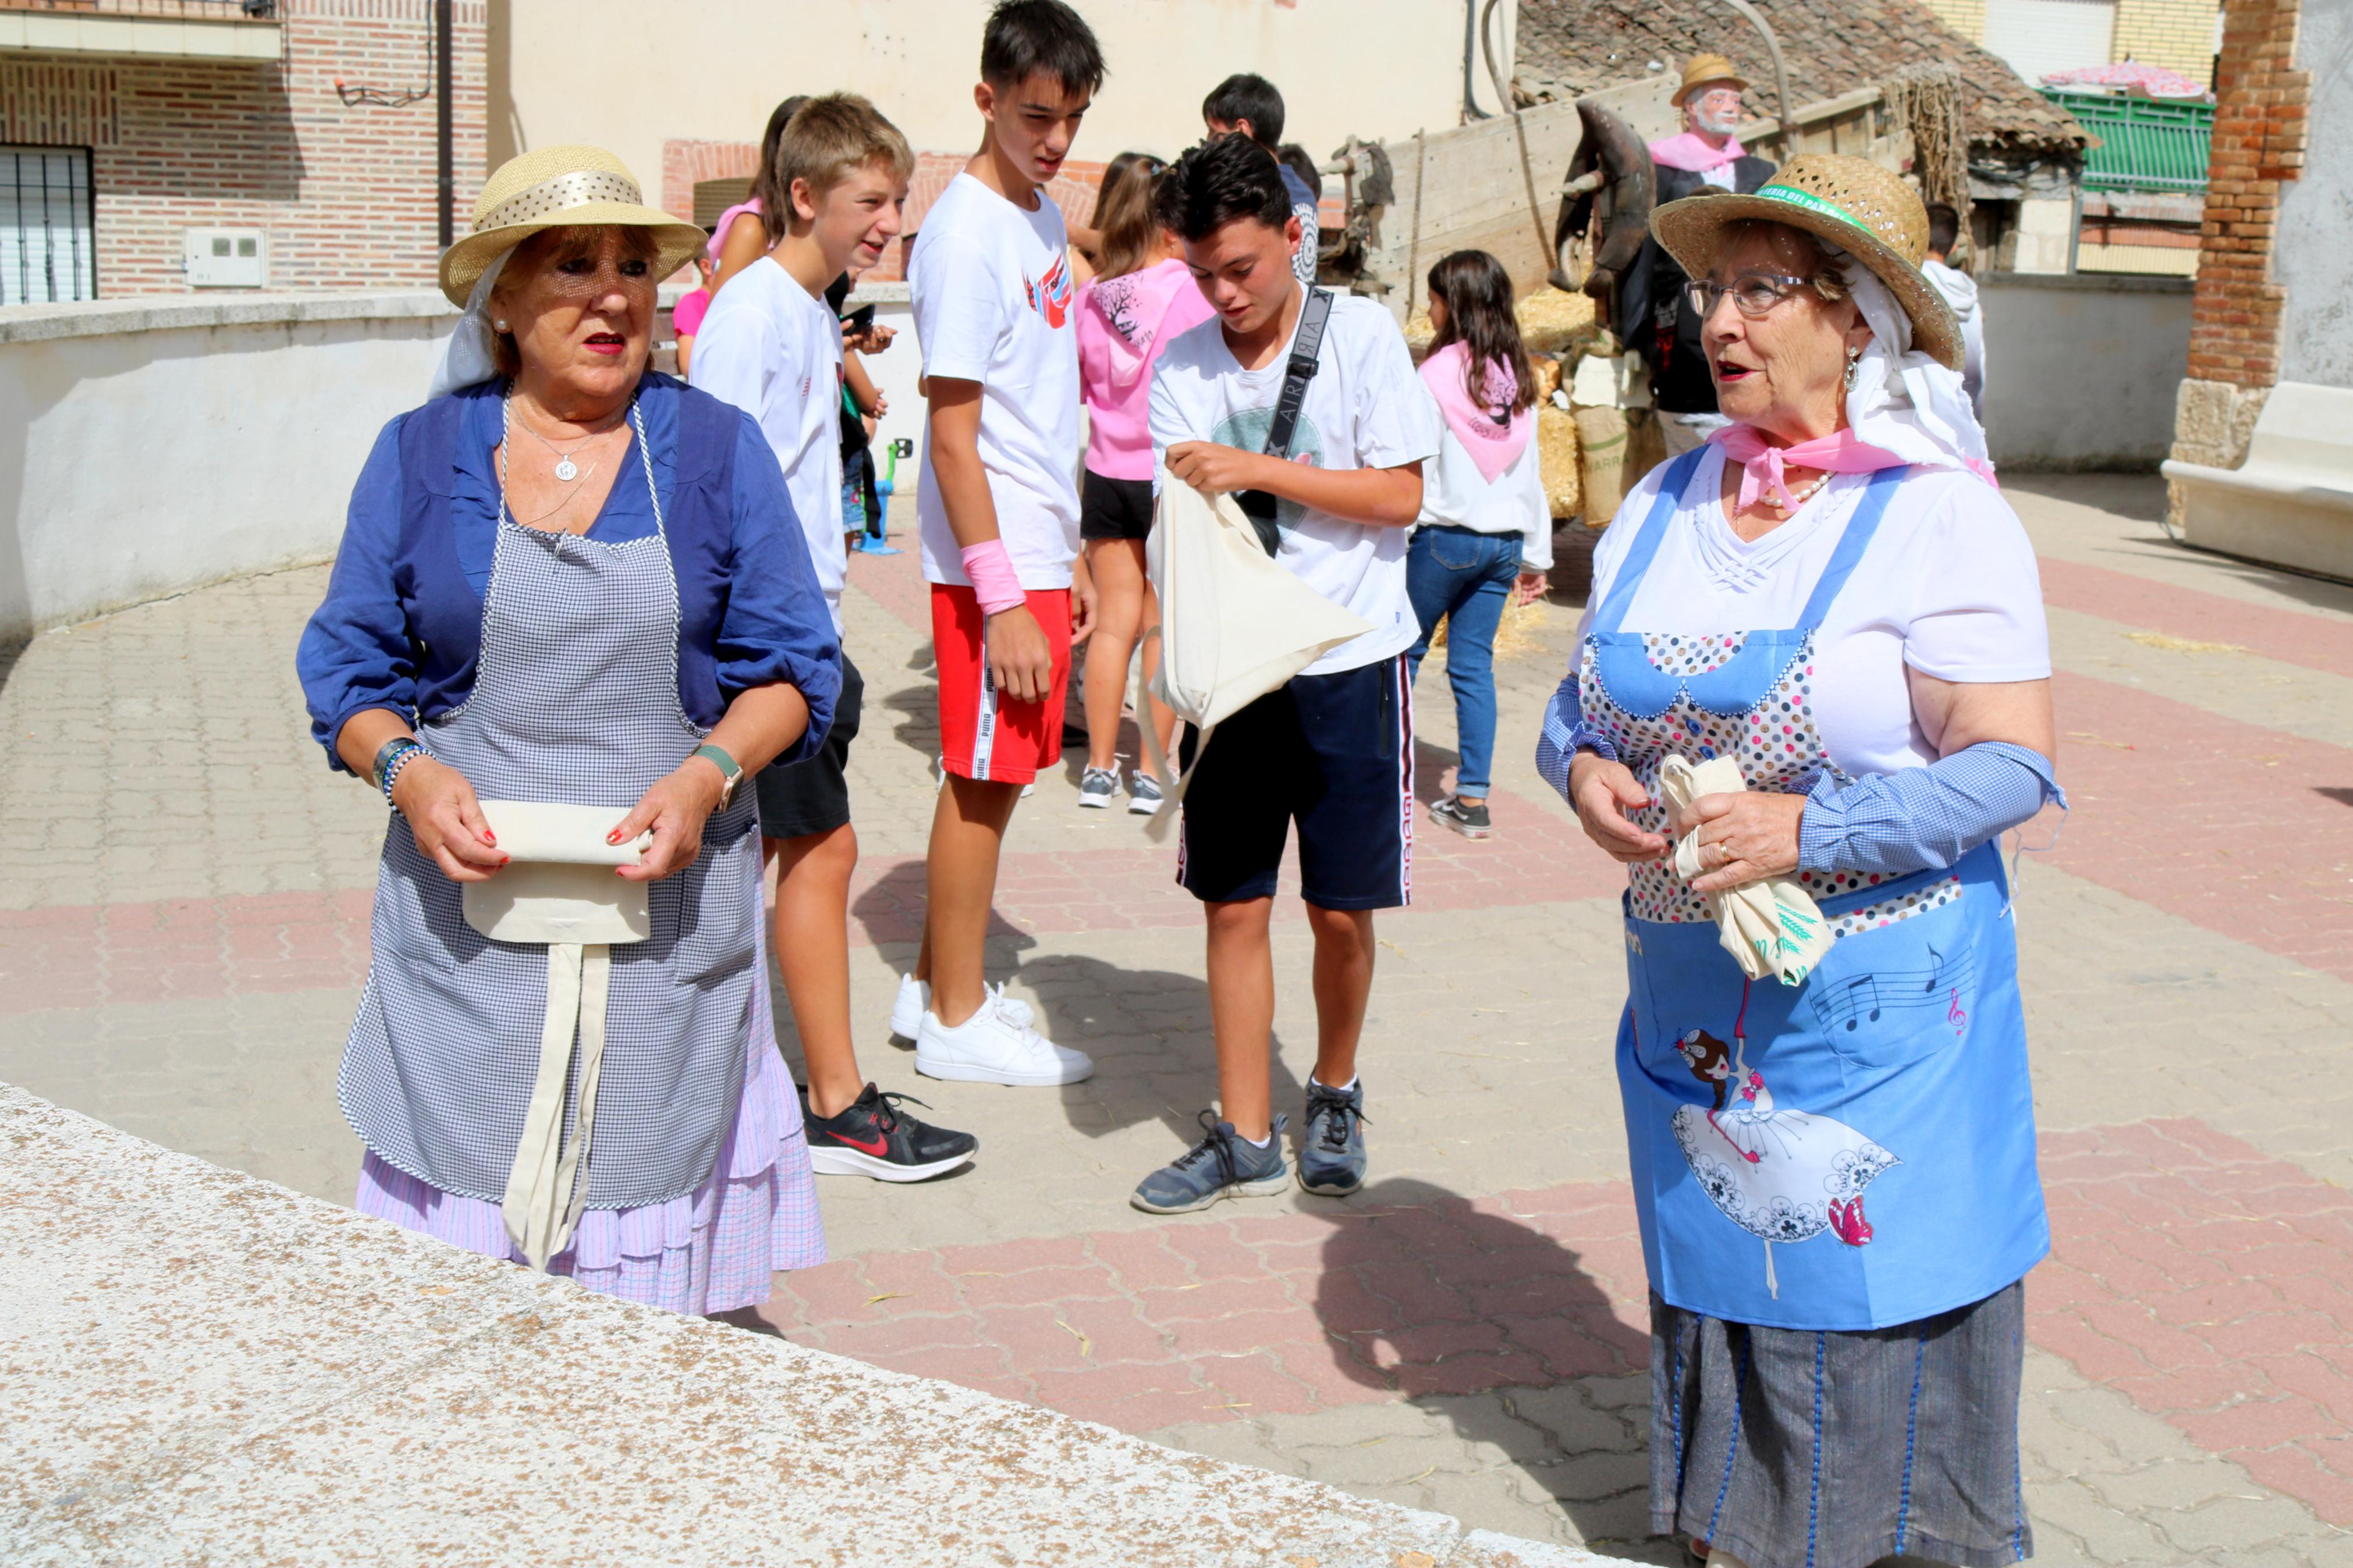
{"type": "Point", "coordinates": [711, 1251]}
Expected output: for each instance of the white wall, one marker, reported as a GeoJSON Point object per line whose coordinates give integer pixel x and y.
{"type": "Point", "coordinates": [146, 448]}
{"type": "Point", "coordinates": [2313, 252]}
{"type": "Point", "coordinates": [2081, 370]}
{"type": "Point", "coordinates": [628, 74]}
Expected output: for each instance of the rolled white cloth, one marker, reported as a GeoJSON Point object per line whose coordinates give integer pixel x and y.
{"type": "Point", "coordinates": [1771, 927]}
{"type": "Point", "coordinates": [1905, 400]}
{"type": "Point", "coordinates": [469, 356]}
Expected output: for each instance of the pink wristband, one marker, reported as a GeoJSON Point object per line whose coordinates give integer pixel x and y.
{"type": "Point", "coordinates": [994, 582]}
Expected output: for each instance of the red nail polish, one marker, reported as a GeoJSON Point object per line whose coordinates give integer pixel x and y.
{"type": "Point", "coordinates": [490, 837]}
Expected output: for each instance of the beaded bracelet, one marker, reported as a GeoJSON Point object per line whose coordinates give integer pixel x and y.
{"type": "Point", "coordinates": [392, 769]}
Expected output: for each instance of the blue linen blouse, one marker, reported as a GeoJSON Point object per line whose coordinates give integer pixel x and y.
{"type": "Point", "coordinates": [764, 620]}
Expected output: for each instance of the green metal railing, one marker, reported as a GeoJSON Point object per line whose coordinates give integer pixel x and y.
{"type": "Point", "coordinates": [2146, 144]}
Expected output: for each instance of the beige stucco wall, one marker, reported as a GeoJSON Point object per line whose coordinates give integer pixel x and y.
{"type": "Point", "coordinates": [630, 74]}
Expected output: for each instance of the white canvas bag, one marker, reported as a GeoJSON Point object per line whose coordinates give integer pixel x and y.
{"type": "Point", "coordinates": [1772, 927]}
{"type": "Point", "coordinates": [1234, 624]}
{"type": "Point", "coordinates": [558, 888]}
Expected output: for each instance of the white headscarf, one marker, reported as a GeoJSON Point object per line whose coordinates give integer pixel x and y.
{"type": "Point", "coordinates": [1904, 401]}
{"type": "Point", "coordinates": [470, 355]}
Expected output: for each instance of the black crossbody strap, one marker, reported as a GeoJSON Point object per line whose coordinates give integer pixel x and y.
{"type": "Point", "coordinates": [1306, 347]}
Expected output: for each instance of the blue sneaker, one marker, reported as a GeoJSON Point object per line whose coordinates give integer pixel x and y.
{"type": "Point", "coordinates": [1332, 1150]}
{"type": "Point", "coordinates": [1223, 1164]}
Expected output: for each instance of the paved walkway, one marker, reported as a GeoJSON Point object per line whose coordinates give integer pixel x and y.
{"type": "Point", "coordinates": [185, 930]}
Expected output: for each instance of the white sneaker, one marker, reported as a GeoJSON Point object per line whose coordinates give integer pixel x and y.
{"type": "Point", "coordinates": [990, 1047]}
{"type": "Point", "coordinates": [915, 999]}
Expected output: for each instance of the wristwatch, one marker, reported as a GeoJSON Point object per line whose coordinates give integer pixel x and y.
{"type": "Point", "coordinates": [730, 774]}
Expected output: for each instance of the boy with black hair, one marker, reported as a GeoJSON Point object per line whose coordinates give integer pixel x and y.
{"type": "Point", "coordinates": [1247, 105]}
{"type": "Point", "coordinates": [1332, 750]}
{"type": "Point", "coordinates": [771, 346]}
{"type": "Point", "coordinates": [999, 510]}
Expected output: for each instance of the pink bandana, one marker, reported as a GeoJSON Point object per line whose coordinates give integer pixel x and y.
{"type": "Point", "coordinates": [1493, 446]}
{"type": "Point", "coordinates": [1842, 452]}
{"type": "Point", "coordinates": [1690, 150]}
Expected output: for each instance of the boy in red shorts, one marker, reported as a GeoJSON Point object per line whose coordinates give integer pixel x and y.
{"type": "Point", "coordinates": [999, 510]}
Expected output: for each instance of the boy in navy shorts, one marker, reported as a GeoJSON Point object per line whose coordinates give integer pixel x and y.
{"type": "Point", "coordinates": [1332, 750]}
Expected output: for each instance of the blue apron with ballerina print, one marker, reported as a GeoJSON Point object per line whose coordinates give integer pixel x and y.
{"type": "Point", "coordinates": [1853, 1151]}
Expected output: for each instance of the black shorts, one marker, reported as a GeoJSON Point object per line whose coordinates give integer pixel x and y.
{"type": "Point", "coordinates": [1114, 509]}
{"type": "Point", "coordinates": [1333, 752]}
{"type": "Point", "coordinates": [812, 795]}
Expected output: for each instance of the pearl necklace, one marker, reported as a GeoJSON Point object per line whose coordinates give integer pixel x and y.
{"type": "Point", "coordinates": [1798, 495]}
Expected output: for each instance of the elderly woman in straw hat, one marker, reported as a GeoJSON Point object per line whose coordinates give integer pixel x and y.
{"type": "Point", "coordinates": [571, 612]}
{"type": "Point", "coordinates": [1813, 683]}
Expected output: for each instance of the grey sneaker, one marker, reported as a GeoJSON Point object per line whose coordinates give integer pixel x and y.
{"type": "Point", "coordinates": [1223, 1164]}
{"type": "Point", "coordinates": [1470, 821]}
{"type": "Point", "coordinates": [1332, 1149]}
{"type": "Point", "coordinates": [1143, 798]}
{"type": "Point", "coordinates": [1098, 787]}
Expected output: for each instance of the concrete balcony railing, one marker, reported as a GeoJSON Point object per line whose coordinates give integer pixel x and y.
{"type": "Point", "coordinates": [155, 29]}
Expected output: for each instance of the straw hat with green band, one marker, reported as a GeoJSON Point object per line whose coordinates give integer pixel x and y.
{"type": "Point", "coordinates": [1853, 204]}
{"type": "Point", "coordinates": [560, 187]}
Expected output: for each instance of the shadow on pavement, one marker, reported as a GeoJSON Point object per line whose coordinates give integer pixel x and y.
{"type": "Point", "coordinates": [1482, 1318]}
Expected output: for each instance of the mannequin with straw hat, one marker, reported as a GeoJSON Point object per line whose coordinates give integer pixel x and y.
{"type": "Point", "coordinates": [1812, 694]}
{"type": "Point", "coordinates": [1705, 155]}
{"type": "Point", "coordinates": [571, 610]}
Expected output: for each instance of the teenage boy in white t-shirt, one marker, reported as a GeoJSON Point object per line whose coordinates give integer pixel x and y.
{"type": "Point", "coordinates": [771, 346]}
{"type": "Point", "coordinates": [1333, 750]}
{"type": "Point", "coordinates": [999, 510]}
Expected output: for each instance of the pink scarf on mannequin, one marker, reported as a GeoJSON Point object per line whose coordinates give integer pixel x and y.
{"type": "Point", "coordinates": [1689, 149]}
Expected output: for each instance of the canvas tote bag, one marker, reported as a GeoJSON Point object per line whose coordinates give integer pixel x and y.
{"type": "Point", "coordinates": [1234, 625]}
{"type": "Point", "coordinates": [558, 889]}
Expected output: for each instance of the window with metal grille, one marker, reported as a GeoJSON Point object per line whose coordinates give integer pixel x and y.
{"type": "Point", "coordinates": [47, 249]}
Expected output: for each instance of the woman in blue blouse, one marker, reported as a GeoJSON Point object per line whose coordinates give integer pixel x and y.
{"type": "Point", "coordinates": [568, 581]}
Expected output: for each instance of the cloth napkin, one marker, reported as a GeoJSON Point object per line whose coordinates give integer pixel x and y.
{"type": "Point", "coordinates": [1771, 927]}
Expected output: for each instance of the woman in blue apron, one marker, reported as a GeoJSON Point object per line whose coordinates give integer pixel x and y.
{"type": "Point", "coordinates": [1833, 1161]}
{"type": "Point", "coordinates": [571, 610]}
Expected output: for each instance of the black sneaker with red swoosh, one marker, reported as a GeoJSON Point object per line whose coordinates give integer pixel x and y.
{"type": "Point", "coordinates": [874, 1138]}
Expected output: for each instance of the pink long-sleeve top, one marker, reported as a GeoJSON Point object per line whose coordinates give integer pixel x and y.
{"type": "Point", "coordinates": [1124, 323]}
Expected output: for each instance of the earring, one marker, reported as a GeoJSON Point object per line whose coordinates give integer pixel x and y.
{"type": "Point", "coordinates": [503, 327]}
{"type": "Point", "coordinates": [1854, 365]}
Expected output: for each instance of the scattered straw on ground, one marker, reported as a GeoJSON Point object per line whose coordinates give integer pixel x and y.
{"type": "Point", "coordinates": [2172, 644]}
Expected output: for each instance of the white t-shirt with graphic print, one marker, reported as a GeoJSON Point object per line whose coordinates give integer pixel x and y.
{"type": "Point", "coordinates": [1366, 408]}
{"type": "Point", "coordinates": [1948, 587]}
{"type": "Point", "coordinates": [994, 302]}
{"type": "Point", "coordinates": [772, 348]}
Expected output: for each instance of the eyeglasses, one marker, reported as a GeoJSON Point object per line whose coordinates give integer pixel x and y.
{"type": "Point", "coordinates": [1754, 293]}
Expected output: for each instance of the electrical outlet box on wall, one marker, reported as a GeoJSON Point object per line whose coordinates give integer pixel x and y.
{"type": "Point", "coordinates": [226, 258]}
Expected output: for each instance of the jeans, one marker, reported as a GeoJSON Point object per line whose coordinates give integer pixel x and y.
{"type": "Point", "coordinates": [1467, 578]}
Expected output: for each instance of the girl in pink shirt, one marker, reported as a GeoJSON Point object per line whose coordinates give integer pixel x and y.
{"type": "Point", "coordinates": [1136, 304]}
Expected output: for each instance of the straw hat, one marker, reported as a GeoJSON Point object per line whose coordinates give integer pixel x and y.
{"type": "Point", "coordinates": [559, 187]}
{"type": "Point", "coordinates": [1704, 68]}
{"type": "Point", "coordinates": [1854, 203]}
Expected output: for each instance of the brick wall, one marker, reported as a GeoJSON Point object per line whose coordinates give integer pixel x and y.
{"type": "Point", "coordinates": [2176, 34]}
{"type": "Point", "coordinates": [2259, 145]}
{"type": "Point", "coordinates": [346, 194]}
{"type": "Point", "coordinates": [1965, 18]}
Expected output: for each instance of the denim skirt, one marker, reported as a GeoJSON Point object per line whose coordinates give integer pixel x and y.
{"type": "Point", "coordinates": [1799, 1448]}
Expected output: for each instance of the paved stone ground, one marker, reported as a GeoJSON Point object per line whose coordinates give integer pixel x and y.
{"type": "Point", "coordinates": [185, 933]}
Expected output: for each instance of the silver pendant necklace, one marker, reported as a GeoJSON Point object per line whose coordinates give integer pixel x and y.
{"type": "Point", "coordinates": [566, 469]}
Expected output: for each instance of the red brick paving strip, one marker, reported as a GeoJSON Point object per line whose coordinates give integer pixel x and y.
{"type": "Point", "coordinates": [2210, 1285]}
{"type": "Point", "coordinates": [2293, 636]}
{"type": "Point", "coordinates": [2246, 831]}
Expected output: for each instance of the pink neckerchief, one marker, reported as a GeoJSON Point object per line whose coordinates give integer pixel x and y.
{"type": "Point", "coordinates": [1690, 150]}
{"type": "Point", "coordinates": [1493, 448]}
{"type": "Point", "coordinates": [1134, 305]}
{"type": "Point", "coordinates": [1840, 452]}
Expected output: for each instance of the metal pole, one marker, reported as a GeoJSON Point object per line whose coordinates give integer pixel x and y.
{"type": "Point", "coordinates": [446, 174]}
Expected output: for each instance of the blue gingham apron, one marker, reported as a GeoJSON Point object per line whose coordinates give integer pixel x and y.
{"type": "Point", "coordinates": [1853, 1152]}
{"type": "Point", "coordinates": [576, 700]}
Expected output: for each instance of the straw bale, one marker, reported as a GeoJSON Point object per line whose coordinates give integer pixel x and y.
{"type": "Point", "coordinates": [1556, 460]}
{"type": "Point", "coordinates": [1551, 321]}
